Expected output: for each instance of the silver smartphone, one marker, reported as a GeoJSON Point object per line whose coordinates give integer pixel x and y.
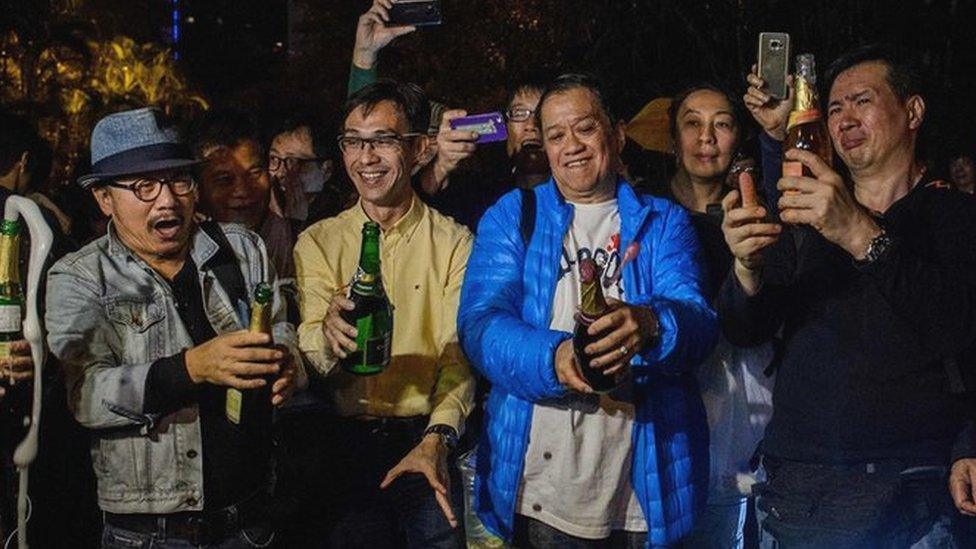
{"type": "Point", "coordinates": [774, 62]}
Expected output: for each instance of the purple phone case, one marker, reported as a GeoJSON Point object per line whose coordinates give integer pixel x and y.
{"type": "Point", "coordinates": [490, 126]}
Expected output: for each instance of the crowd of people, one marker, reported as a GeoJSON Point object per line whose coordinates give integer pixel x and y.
{"type": "Point", "coordinates": [804, 363]}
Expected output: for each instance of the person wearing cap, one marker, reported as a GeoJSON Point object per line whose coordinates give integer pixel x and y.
{"type": "Point", "coordinates": [149, 322]}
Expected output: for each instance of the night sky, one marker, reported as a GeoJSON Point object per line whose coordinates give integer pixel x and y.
{"type": "Point", "coordinates": [269, 54]}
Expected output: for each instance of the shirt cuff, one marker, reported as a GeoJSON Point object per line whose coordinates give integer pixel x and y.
{"type": "Point", "coordinates": [359, 78]}
{"type": "Point", "coordinates": [450, 417]}
{"type": "Point", "coordinates": [168, 385]}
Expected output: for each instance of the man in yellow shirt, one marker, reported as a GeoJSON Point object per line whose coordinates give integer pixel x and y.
{"type": "Point", "coordinates": [389, 478]}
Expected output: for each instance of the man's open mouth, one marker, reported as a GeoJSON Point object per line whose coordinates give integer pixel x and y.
{"type": "Point", "coordinates": [168, 228]}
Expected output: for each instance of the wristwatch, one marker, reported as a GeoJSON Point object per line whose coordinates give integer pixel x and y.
{"type": "Point", "coordinates": [448, 434]}
{"type": "Point", "coordinates": [877, 248]}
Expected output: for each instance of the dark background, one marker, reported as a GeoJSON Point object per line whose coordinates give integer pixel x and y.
{"type": "Point", "coordinates": [270, 55]}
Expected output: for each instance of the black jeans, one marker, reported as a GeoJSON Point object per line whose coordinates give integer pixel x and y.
{"type": "Point", "coordinates": [533, 534]}
{"type": "Point", "coordinates": [889, 504]}
{"type": "Point", "coordinates": [344, 506]}
{"type": "Point", "coordinates": [255, 537]}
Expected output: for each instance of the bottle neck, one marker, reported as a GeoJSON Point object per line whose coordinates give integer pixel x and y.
{"type": "Point", "coordinates": [10, 266]}
{"type": "Point", "coordinates": [369, 255]}
{"type": "Point", "coordinates": [806, 107]}
{"type": "Point", "coordinates": [368, 274]}
{"type": "Point", "coordinates": [592, 302]}
{"type": "Point", "coordinates": [806, 94]}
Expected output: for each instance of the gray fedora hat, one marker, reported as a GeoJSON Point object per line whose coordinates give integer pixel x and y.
{"type": "Point", "coordinates": [133, 142]}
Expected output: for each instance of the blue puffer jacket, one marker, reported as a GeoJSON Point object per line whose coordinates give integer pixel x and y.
{"type": "Point", "coordinates": [503, 325]}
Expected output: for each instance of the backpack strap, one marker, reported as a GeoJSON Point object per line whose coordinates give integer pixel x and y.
{"type": "Point", "coordinates": [527, 222]}
{"type": "Point", "coordinates": [227, 270]}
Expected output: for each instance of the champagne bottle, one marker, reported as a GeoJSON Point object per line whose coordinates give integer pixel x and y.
{"type": "Point", "coordinates": [17, 402]}
{"type": "Point", "coordinates": [593, 305]}
{"type": "Point", "coordinates": [255, 401]}
{"type": "Point", "coordinates": [806, 128]}
{"type": "Point", "coordinates": [372, 315]}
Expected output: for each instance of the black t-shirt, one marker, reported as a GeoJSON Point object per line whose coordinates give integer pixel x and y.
{"type": "Point", "coordinates": [715, 252]}
{"type": "Point", "coordinates": [863, 374]}
{"type": "Point", "coordinates": [236, 458]}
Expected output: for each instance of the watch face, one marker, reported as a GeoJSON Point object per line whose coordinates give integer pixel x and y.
{"type": "Point", "coordinates": [447, 434]}
{"type": "Point", "coordinates": [876, 249]}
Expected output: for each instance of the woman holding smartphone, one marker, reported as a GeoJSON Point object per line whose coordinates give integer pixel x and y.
{"type": "Point", "coordinates": [707, 130]}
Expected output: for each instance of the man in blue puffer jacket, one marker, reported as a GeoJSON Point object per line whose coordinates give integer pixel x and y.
{"type": "Point", "coordinates": [559, 465]}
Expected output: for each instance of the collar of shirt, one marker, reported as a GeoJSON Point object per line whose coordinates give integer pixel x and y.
{"type": "Point", "coordinates": [404, 227]}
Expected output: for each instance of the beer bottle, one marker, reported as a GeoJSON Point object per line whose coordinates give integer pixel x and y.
{"type": "Point", "coordinates": [372, 316]}
{"type": "Point", "coordinates": [17, 402]}
{"type": "Point", "coordinates": [253, 402]}
{"type": "Point", "coordinates": [592, 306]}
{"type": "Point", "coordinates": [806, 128]}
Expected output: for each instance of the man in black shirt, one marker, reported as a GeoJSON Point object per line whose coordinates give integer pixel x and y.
{"type": "Point", "coordinates": [150, 323]}
{"type": "Point", "coordinates": [873, 285]}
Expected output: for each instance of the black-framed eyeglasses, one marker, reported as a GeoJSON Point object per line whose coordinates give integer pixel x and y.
{"type": "Point", "coordinates": [275, 162]}
{"type": "Point", "coordinates": [147, 189]}
{"type": "Point", "coordinates": [519, 114]}
{"type": "Point", "coordinates": [380, 143]}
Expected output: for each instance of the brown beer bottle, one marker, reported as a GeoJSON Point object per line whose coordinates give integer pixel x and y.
{"type": "Point", "coordinates": [592, 306]}
{"type": "Point", "coordinates": [806, 128]}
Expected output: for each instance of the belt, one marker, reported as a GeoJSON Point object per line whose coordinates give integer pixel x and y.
{"type": "Point", "coordinates": [891, 467]}
{"type": "Point", "coordinates": [385, 425]}
{"type": "Point", "coordinates": [198, 528]}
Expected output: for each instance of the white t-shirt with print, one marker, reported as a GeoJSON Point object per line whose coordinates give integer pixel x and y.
{"type": "Point", "coordinates": [577, 466]}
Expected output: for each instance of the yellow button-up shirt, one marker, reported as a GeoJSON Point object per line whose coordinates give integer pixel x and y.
{"type": "Point", "coordinates": [423, 257]}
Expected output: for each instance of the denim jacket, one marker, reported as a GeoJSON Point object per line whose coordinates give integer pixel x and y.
{"type": "Point", "coordinates": [109, 317]}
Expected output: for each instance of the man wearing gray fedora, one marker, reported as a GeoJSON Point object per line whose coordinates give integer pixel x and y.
{"type": "Point", "coordinates": [150, 322]}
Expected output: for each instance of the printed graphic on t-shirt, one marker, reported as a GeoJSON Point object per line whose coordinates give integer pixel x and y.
{"type": "Point", "coordinates": [607, 257]}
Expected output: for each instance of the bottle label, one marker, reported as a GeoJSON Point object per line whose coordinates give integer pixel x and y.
{"type": "Point", "coordinates": [802, 117]}
{"type": "Point", "coordinates": [261, 318]}
{"type": "Point", "coordinates": [792, 168]}
{"type": "Point", "coordinates": [10, 321]}
{"type": "Point", "coordinates": [235, 401]}
{"type": "Point", "coordinates": [374, 338]}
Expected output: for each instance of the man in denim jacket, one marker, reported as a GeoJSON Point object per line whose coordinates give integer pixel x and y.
{"type": "Point", "coordinates": [150, 322]}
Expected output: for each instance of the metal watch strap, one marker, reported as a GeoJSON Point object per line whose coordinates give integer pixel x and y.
{"type": "Point", "coordinates": [448, 434]}
{"type": "Point", "coordinates": [878, 246]}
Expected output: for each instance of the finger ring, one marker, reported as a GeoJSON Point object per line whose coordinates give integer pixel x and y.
{"type": "Point", "coordinates": [623, 350]}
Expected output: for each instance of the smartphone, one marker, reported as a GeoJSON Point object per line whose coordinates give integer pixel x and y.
{"type": "Point", "coordinates": [489, 126]}
{"type": "Point", "coordinates": [774, 62]}
{"type": "Point", "coordinates": [416, 13]}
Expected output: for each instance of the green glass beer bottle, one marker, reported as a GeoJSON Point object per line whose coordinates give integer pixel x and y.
{"type": "Point", "coordinates": [17, 402]}
{"type": "Point", "coordinates": [373, 315]}
{"type": "Point", "coordinates": [244, 404]}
